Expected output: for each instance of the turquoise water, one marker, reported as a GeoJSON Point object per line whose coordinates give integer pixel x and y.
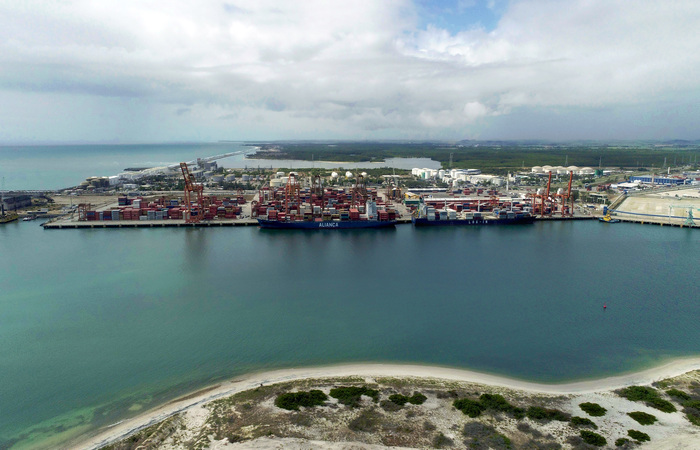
{"type": "Point", "coordinates": [97, 325]}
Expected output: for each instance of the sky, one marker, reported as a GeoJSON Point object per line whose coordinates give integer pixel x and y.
{"type": "Point", "coordinates": [171, 70]}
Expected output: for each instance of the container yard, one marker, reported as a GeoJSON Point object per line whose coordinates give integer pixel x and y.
{"type": "Point", "coordinates": [293, 201]}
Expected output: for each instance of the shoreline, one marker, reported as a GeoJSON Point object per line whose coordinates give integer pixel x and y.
{"type": "Point", "coordinates": [115, 432]}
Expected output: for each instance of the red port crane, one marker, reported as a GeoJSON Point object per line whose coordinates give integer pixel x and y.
{"type": "Point", "coordinates": [566, 205]}
{"type": "Point", "coordinates": [193, 192]}
{"type": "Point", "coordinates": [544, 208]}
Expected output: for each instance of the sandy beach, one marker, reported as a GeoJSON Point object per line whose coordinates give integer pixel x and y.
{"type": "Point", "coordinates": [116, 432]}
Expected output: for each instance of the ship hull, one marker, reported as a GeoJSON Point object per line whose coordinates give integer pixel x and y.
{"type": "Point", "coordinates": [326, 224]}
{"type": "Point", "coordinates": [424, 222]}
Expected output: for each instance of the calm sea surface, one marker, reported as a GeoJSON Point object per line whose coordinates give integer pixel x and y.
{"type": "Point", "coordinates": [98, 325]}
{"type": "Point", "coordinates": [58, 167]}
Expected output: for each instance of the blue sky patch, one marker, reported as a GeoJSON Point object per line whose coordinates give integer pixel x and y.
{"type": "Point", "coordinates": [460, 15]}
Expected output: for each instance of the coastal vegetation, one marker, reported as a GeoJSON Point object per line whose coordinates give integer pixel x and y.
{"type": "Point", "coordinates": [649, 396]}
{"type": "Point", "coordinates": [416, 399]}
{"type": "Point", "coordinates": [643, 418]}
{"type": "Point", "coordinates": [691, 408]}
{"type": "Point", "coordinates": [577, 421]}
{"type": "Point", "coordinates": [268, 412]}
{"type": "Point", "coordinates": [293, 400]}
{"type": "Point", "coordinates": [638, 436]}
{"type": "Point", "coordinates": [350, 395]}
{"type": "Point", "coordinates": [592, 438]}
{"type": "Point", "coordinates": [593, 409]}
{"type": "Point", "coordinates": [495, 402]}
{"type": "Point", "coordinates": [472, 408]}
{"type": "Point", "coordinates": [547, 414]}
{"type": "Point", "coordinates": [678, 394]}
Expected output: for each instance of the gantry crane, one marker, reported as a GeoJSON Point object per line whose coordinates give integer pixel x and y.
{"type": "Point", "coordinates": [359, 191]}
{"type": "Point", "coordinates": [566, 204]}
{"type": "Point", "coordinates": [291, 193]}
{"type": "Point", "coordinates": [690, 219]}
{"type": "Point", "coordinates": [393, 191]}
{"type": "Point", "coordinates": [544, 207]}
{"type": "Point", "coordinates": [193, 192]}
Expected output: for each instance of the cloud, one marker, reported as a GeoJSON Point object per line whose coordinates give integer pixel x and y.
{"type": "Point", "coordinates": [345, 69]}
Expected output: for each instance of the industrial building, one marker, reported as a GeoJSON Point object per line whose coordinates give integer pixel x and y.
{"type": "Point", "coordinates": [13, 202]}
{"type": "Point", "coordinates": [651, 179]}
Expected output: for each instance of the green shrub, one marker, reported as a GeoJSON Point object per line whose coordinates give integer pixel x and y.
{"type": "Point", "coordinates": [694, 419]}
{"type": "Point", "coordinates": [593, 409]}
{"type": "Point", "coordinates": [517, 413]}
{"type": "Point", "coordinates": [293, 400]}
{"type": "Point", "coordinates": [592, 438]}
{"type": "Point", "coordinates": [661, 405]}
{"type": "Point", "coordinates": [470, 407]}
{"type": "Point", "coordinates": [648, 395]}
{"type": "Point", "coordinates": [638, 435]}
{"type": "Point", "coordinates": [495, 401]}
{"type": "Point", "coordinates": [583, 422]}
{"type": "Point", "coordinates": [350, 395]}
{"type": "Point", "coordinates": [691, 408]}
{"type": "Point", "coordinates": [621, 441]}
{"type": "Point", "coordinates": [692, 404]}
{"type": "Point", "coordinates": [539, 413]}
{"type": "Point", "coordinates": [638, 393]}
{"type": "Point", "coordinates": [398, 399]}
{"type": "Point", "coordinates": [678, 394]}
{"type": "Point", "coordinates": [498, 403]}
{"type": "Point", "coordinates": [417, 398]}
{"type": "Point", "coordinates": [643, 418]}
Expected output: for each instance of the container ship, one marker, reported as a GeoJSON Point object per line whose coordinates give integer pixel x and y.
{"type": "Point", "coordinates": [428, 216]}
{"type": "Point", "coordinates": [329, 219]}
{"type": "Point", "coordinates": [319, 208]}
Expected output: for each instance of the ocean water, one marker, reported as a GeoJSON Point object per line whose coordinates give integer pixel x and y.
{"type": "Point", "coordinates": [99, 325]}
{"type": "Point", "coordinates": [61, 166]}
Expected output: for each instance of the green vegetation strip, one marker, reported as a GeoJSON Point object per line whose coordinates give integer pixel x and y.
{"type": "Point", "coordinates": [293, 400]}
{"type": "Point", "coordinates": [350, 395]}
{"type": "Point", "coordinates": [649, 396]}
{"type": "Point", "coordinates": [487, 156]}
{"type": "Point", "coordinates": [496, 402]}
